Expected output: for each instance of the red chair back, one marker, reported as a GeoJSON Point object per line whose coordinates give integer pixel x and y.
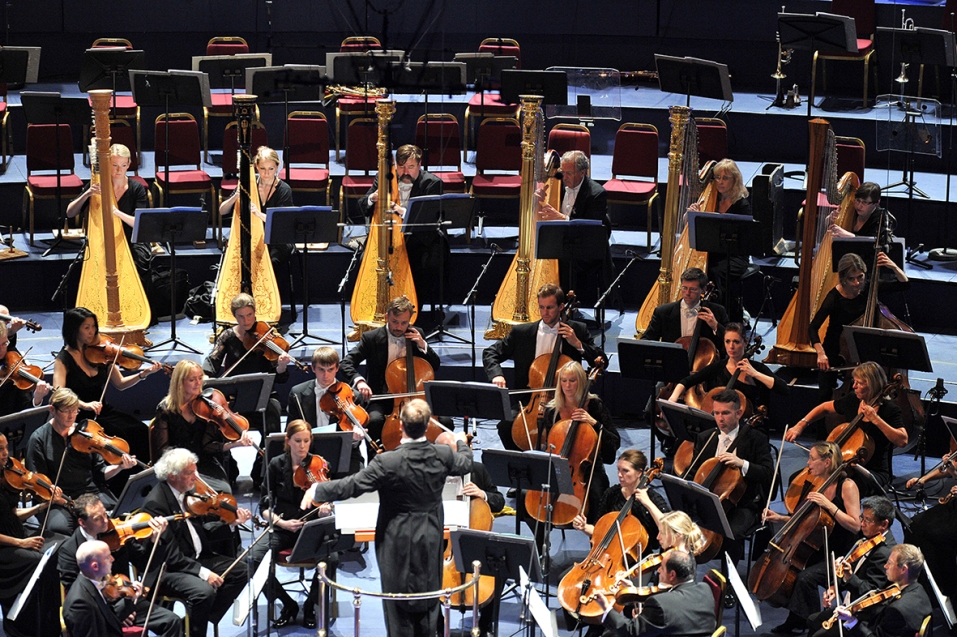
{"type": "Point", "coordinates": [862, 11]}
{"type": "Point", "coordinates": [360, 44]}
{"type": "Point", "coordinates": [231, 147]}
{"type": "Point", "coordinates": [444, 141]}
{"type": "Point", "coordinates": [226, 45]}
{"type": "Point", "coordinates": [565, 137]}
{"type": "Point", "coordinates": [499, 145]}
{"type": "Point", "coordinates": [41, 147]}
{"type": "Point", "coordinates": [122, 133]}
{"type": "Point", "coordinates": [309, 139]}
{"type": "Point", "coordinates": [184, 148]}
{"type": "Point", "coordinates": [850, 158]}
{"type": "Point", "coordinates": [361, 152]}
{"type": "Point", "coordinates": [636, 152]}
{"type": "Point", "coordinates": [502, 46]}
{"type": "Point", "coordinates": [712, 141]}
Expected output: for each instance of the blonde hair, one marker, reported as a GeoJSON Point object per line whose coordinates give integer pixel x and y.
{"type": "Point", "coordinates": [174, 399]}
{"type": "Point", "coordinates": [738, 191]}
{"type": "Point", "coordinates": [120, 150]}
{"type": "Point", "coordinates": [559, 401]}
{"type": "Point", "coordinates": [682, 530]}
{"type": "Point", "coordinates": [829, 451]}
{"type": "Point", "coordinates": [265, 153]}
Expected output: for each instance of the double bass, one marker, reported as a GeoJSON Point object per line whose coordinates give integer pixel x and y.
{"type": "Point", "coordinates": [123, 310]}
{"type": "Point", "coordinates": [384, 272]}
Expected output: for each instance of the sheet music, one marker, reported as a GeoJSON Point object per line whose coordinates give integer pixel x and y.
{"type": "Point", "coordinates": [751, 610]}
{"type": "Point", "coordinates": [544, 617]}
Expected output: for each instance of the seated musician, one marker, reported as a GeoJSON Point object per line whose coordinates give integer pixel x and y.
{"type": "Point", "coordinates": [378, 348]}
{"type": "Point", "coordinates": [881, 423]}
{"type": "Point", "coordinates": [193, 570]}
{"type": "Point", "coordinates": [677, 531]}
{"type": "Point", "coordinates": [12, 398]}
{"type": "Point", "coordinates": [843, 305]}
{"type": "Point", "coordinates": [867, 213]}
{"type": "Point", "coordinates": [841, 500]}
{"type": "Point", "coordinates": [72, 369]}
{"type": "Point", "coordinates": [671, 321]}
{"type": "Point", "coordinates": [49, 447]}
{"type": "Point", "coordinates": [304, 398]}
{"type": "Point", "coordinates": [755, 379]}
{"type": "Point", "coordinates": [900, 617]}
{"type": "Point", "coordinates": [93, 523]}
{"type": "Point", "coordinates": [19, 556]}
{"type": "Point", "coordinates": [686, 608]}
{"type": "Point", "coordinates": [527, 341]}
{"type": "Point", "coordinates": [751, 456]}
{"type": "Point", "coordinates": [631, 467]}
{"type": "Point", "coordinates": [84, 610]}
{"type": "Point", "coordinates": [933, 530]}
{"type": "Point", "coordinates": [176, 425]}
{"type": "Point", "coordinates": [14, 325]}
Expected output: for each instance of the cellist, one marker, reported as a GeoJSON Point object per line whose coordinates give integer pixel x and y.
{"type": "Point", "coordinates": [842, 501]}
{"type": "Point", "coordinates": [671, 321]}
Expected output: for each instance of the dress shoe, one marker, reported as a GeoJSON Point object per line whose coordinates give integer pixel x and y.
{"type": "Point", "coordinates": [288, 615]}
{"type": "Point", "coordinates": [309, 616]}
{"type": "Point", "coordinates": [792, 625]}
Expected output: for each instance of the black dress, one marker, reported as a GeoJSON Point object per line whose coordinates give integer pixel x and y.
{"type": "Point", "coordinates": [880, 463]}
{"type": "Point", "coordinates": [613, 501]}
{"type": "Point", "coordinates": [200, 436]}
{"type": "Point", "coordinates": [134, 197]}
{"type": "Point", "coordinates": [717, 375]}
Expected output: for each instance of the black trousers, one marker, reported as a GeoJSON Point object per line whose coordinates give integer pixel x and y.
{"type": "Point", "coordinates": [203, 602]}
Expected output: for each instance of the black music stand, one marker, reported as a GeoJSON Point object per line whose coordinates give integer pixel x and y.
{"type": "Point", "coordinates": [820, 32]}
{"type": "Point", "coordinates": [703, 506]}
{"type": "Point", "coordinates": [169, 225]}
{"type": "Point", "coordinates": [228, 72]}
{"type": "Point", "coordinates": [52, 108]}
{"type": "Point", "coordinates": [730, 235]}
{"type": "Point", "coordinates": [135, 491]}
{"type": "Point", "coordinates": [918, 46]}
{"type": "Point", "coordinates": [466, 400]}
{"type": "Point", "coordinates": [436, 215]}
{"type": "Point", "coordinates": [18, 427]}
{"type": "Point", "coordinates": [305, 225]}
{"type": "Point", "coordinates": [685, 421]}
{"type": "Point", "coordinates": [692, 76]}
{"type": "Point", "coordinates": [484, 71]}
{"type": "Point", "coordinates": [108, 67]}
{"type": "Point", "coordinates": [571, 242]}
{"type": "Point", "coordinates": [335, 448]}
{"type": "Point", "coordinates": [551, 85]}
{"type": "Point", "coordinates": [246, 392]}
{"type": "Point", "coordinates": [864, 248]}
{"type": "Point", "coordinates": [13, 72]}
{"type": "Point", "coordinates": [888, 348]}
{"type": "Point", "coordinates": [501, 556]}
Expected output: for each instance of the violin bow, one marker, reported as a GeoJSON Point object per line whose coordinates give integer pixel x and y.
{"type": "Point", "coordinates": [149, 562]}
{"type": "Point", "coordinates": [591, 474]}
{"type": "Point", "coordinates": [49, 504]}
{"type": "Point", "coordinates": [837, 594]}
{"type": "Point", "coordinates": [242, 555]}
{"type": "Point", "coordinates": [241, 358]}
{"type": "Point", "coordinates": [528, 434]}
{"type": "Point", "coordinates": [774, 477]}
{"type": "Point", "coordinates": [696, 459]}
{"type": "Point", "coordinates": [112, 368]}
{"type": "Point", "coordinates": [156, 589]}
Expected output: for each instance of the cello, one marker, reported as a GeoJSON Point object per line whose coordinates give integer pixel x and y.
{"type": "Point", "coordinates": [701, 353]}
{"type": "Point", "coordinates": [708, 400]}
{"type": "Point", "coordinates": [480, 519]}
{"type": "Point", "coordinates": [407, 375]}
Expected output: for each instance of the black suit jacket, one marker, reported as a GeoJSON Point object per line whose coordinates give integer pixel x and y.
{"type": "Point", "coordinates": [665, 324]}
{"type": "Point", "coordinates": [426, 184]}
{"type": "Point", "coordinates": [177, 539]}
{"type": "Point", "coordinates": [871, 575]}
{"type": "Point", "coordinates": [302, 402]}
{"type": "Point", "coordinates": [373, 348]}
{"type": "Point", "coordinates": [591, 203]}
{"type": "Point", "coordinates": [519, 346]}
{"type": "Point", "coordinates": [901, 617]}
{"type": "Point", "coordinates": [87, 615]}
{"type": "Point", "coordinates": [686, 609]}
{"type": "Point", "coordinates": [753, 446]}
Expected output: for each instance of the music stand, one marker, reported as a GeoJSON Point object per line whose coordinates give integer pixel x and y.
{"type": "Point", "coordinates": [319, 539]}
{"type": "Point", "coordinates": [685, 421]}
{"type": "Point", "coordinates": [247, 392]}
{"type": "Point", "coordinates": [52, 108]}
{"type": "Point", "coordinates": [692, 76]}
{"type": "Point", "coordinates": [864, 248]}
{"type": "Point", "coordinates": [468, 399]}
{"type": "Point", "coordinates": [571, 242]}
{"type": "Point", "coordinates": [13, 72]}
{"type": "Point", "coordinates": [440, 213]}
{"type": "Point", "coordinates": [819, 32]}
{"type": "Point", "coordinates": [135, 491]}
{"type": "Point", "coordinates": [888, 348]}
{"type": "Point", "coordinates": [305, 225]}
{"type": "Point", "coordinates": [335, 448]}
{"type": "Point", "coordinates": [108, 67]}
{"type": "Point", "coordinates": [501, 556]}
{"type": "Point", "coordinates": [551, 85]}
{"type": "Point", "coordinates": [730, 235]}
{"type": "Point", "coordinates": [169, 225]}
{"type": "Point", "coordinates": [703, 506]}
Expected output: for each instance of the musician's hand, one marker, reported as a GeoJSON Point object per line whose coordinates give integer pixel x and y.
{"type": "Point", "coordinates": [309, 499]}
{"type": "Point", "coordinates": [416, 337]}
{"type": "Point", "coordinates": [843, 614]}
{"type": "Point", "coordinates": [243, 515]}
{"type": "Point", "coordinates": [868, 411]}
{"type": "Point", "coordinates": [707, 316]}
{"type": "Point", "coordinates": [397, 210]}
{"type": "Point", "coordinates": [819, 499]}
{"type": "Point", "coordinates": [745, 366]}
{"type": "Point", "coordinates": [642, 496]}
{"type": "Point", "coordinates": [292, 526]}
{"type": "Point", "coordinates": [214, 580]}
{"type": "Point", "coordinates": [128, 622]}
{"type": "Point", "coordinates": [95, 407]}
{"type": "Point", "coordinates": [374, 196]}
{"type": "Point", "coordinates": [245, 440]}
{"type": "Point", "coordinates": [473, 491]}
{"type": "Point", "coordinates": [581, 415]}
{"type": "Point", "coordinates": [695, 207]}
{"type": "Point", "coordinates": [773, 516]}
{"type": "Point", "coordinates": [565, 331]}
{"type": "Point", "coordinates": [325, 509]}
{"type": "Point", "coordinates": [601, 601]}
{"type": "Point", "coordinates": [730, 459]}
{"type": "Point", "coordinates": [499, 381]}
{"type": "Point", "coordinates": [34, 543]}
{"type": "Point", "coordinates": [159, 526]}
{"type": "Point", "coordinates": [40, 391]}
{"type": "Point", "coordinates": [58, 496]}
{"type": "Point", "coordinates": [548, 213]}
{"type": "Point", "coordinates": [128, 461]}
{"type": "Point", "coordinates": [155, 367]}
{"type": "Point", "coordinates": [94, 189]}
{"type": "Point", "coordinates": [839, 232]}
{"type": "Point", "coordinates": [828, 598]}
{"type": "Point", "coordinates": [910, 483]}
{"type": "Point", "coordinates": [137, 589]}
{"type": "Point", "coordinates": [793, 432]}
{"type": "Point", "coordinates": [884, 261]}
{"type": "Point", "coordinates": [283, 361]}
{"type": "Point", "coordinates": [357, 435]}
{"type": "Point", "coordinates": [822, 362]}
{"type": "Point", "coordinates": [364, 389]}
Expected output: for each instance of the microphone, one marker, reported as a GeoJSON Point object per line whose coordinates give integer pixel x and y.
{"type": "Point", "coordinates": [631, 253]}
{"type": "Point", "coordinates": [939, 391]}
{"type": "Point", "coordinates": [496, 247]}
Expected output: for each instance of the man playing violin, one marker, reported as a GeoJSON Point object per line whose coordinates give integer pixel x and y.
{"type": "Point", "coordinates": [193, 569]}
{"type": "Point", "coordinates": [93, 522]}
{"type": "Point", "coordinates": [897, 617]}
{"type": "Point", "coordinates": [685, 608]}
{"type": "Point", "coordinates": [84, 609]}
{"type": "Point", "coordinates": [378, 348]}
{"type": "Point", "coordinates": [81, 472]}
{"type": "Point", "coordinates": [527, 341]}
{"type": "Point", "coordinates": [12, 398]}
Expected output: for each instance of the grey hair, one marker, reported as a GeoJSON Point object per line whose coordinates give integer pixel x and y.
{"type": "Point", "coordinates": [579, 158]}
{"type": "Point", "coordinates": [173, 462]}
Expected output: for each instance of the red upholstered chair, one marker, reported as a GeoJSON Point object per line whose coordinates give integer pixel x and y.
{"type": "Point", "coordinates": [42, 158]}
{"type": "Point", "coordinates": [231, 165]}
{"type": "Point", "coordinates": [635, 156]}
{"type": "Point", "coordinates": [712, 139]}
{"type": "Point", "coordinates": [864, 13]}
{"type": "Point", "coordinates": [361, 157]}
{"type": "Point", "coordinates": [226, 45]}
{"type": "Point", "coordinates": [347, 107]}
{"type": "Point", "coordinates": [126, 108]}
{"type": "Point", "coordinates": [498, 149]}
{"type": "Point", "coordinates": [482, 105]}
{"type": "Point", "coordinates": [717, 582]}
{"type": "Point", "coordinates": [222, 101]}
{"type": "Point", "coordinates": [184, 151]}
{"type": "Point", "coordinates": [444, 149]}
{"type": "Point", "coordinates": [502, 46]}
{"type": "Point", "coordinates": [308, 153]}
{"type": "Point", "coordinates": [565, 137]}
{"type": "Point", "coordinates": [360, 44]}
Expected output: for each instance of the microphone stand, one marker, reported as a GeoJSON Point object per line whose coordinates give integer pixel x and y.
{"type": "Point", "coordinates": [600, 305]}
{"type": "Point", "coordinates": [61, 288]}
{"type": "Point", "coordinates": [470, 299]}
{"type": "Point", "coordinates": [342, 293]}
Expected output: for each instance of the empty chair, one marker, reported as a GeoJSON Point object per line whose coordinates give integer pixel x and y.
{"type": "Point", "coordinates": [222, 103]}
{"type": "Point", "coordinates": [226, 45]}
{"type": "Point", "coordinates": [498, 159]}
{"type": "Point", "coordinates": [361, 157]}
{"type": "Point", "coordinates": [308, 153]}
{"type": "Point", "coordinates": [42, 158]}
{"type": "Point", "coordinates": [635, 156]}
{"type": "Point", "coordinates": [864, 13]}
{"type": "Point", "coordinates": [502, 46]}
{"type": "Point", "coordinates": [444, 147]}
{"type": "Point", "coordinates": [359, 105]}
{"type": "Point", "coordinates": [183, 151]}
{"type": "Point", "coordinates": [125, 106]}
{"type": "Point", "coordinates": [712, 139]}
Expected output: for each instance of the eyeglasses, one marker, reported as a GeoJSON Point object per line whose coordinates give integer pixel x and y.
{"type": "Point", "coordinates": [74, 410]}
{"type": "Point", "coordinates": [868, 520]}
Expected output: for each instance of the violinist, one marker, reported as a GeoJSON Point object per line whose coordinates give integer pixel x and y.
{"type": "Point", "coordinates": [93, 522]}
{"type": "Point", "coordinates": [685, 608]}
{"type": "Point", "coordinates": [671, 321]}
{"type": "Point", "coordinates": [14, 325]}
{"type": "Point", "coordinates": [901, 616]}
{"type": "Point", "coordinates": [12, 398]}
{"type": "Point", "coordinates": [175, 425]}
{"type": "Point", "coordinates": [631, 467]}
{"type": "Point", "coordinates": [19, 556]}
{"type": "Point", "coordinates": [755, 379]}
{"type": "Point", "coordinates": [527, 341]}
{"type": "Point", "coordinates": [378, 348]}
{"type": "Point", "coordinates": [194, 570]}
{"type": "Point", "coordinates": [84, 612]}
{"type": "Point", "coordinates": [82, 472]}
{"type": "Point", "coordinates": [751, 456]}
{"type": "Point", "coordinates": [933, 531]}
{"type": "Point", "coordinates": [881, 423]}
{"type": "Point", "coordinates": [841, 500]}
{"type": "Point", "coordinates": [72, 369]}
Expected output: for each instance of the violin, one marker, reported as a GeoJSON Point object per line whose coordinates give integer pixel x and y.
{"type": "Point", "coordinates": [203, 500]}
{"type": "Point", "coordinates": [89, 437]}
{"type": "Point", "coordinates": [543, 374]}
{"type": "Point", "coordinates": [18, 478]}
{"type": "Point", "coordinates": [339, 403]}
{"type": "Point", "coordinates": [212, 405]}
{"type": "Point", "coordinates": [22, 374]}
{"type": "Point", "coordinates": [312, 469]}
{"type": "Point", "coordinates": [136, 527]}
{"type": "Point", "coordinates": [129, 357]}
{"type": "Point", "coordinates": [858, 551]}
{"type": "Point", "coordinates": [120, 586]}
{"type": "Point", "coordinates": [267, 341]}
{"type": "Point", "coordinates": [33, 326]}
{"type": "Point", "coordinates": [866, 601]}
{"type": "Point", "coordinates": [405, 375]}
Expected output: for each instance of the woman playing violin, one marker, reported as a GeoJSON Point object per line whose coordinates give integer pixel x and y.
{"type": "Point", "coordinates": [12, 398]}
{"type": "Point", "coordinates": [842, 501]}
{"type": "Point", "coordinates": [286, 496]}
{"type": "Point", "coordinates": [81, 330]}
{"type": "Point", "coordinates": [175, 425]}
{"type": "Point", "coordinates": [19, 556]}
{"type": "Point", "coordinates": [572, 381]}
{"type": "Point", "coordinates": [881, 423]}
{"type": "Point", "coordinates": [631, 467]}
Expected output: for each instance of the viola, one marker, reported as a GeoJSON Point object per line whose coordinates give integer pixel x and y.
{"type": "Point", "coordinates": [204, 500]}
{"type": "Point", "coordinates": [339, 403]}
{"type": "Point", "coordinates": [33, 326]}
{"type": "Point", "coordinates": [23, 375]}
{"type": "Point", "coordinates": [866, 601]}
{"type": "Point", "coordinates": [135, 527]}
{"type": "Point", "coordinates": [637, 594]}
{"type": "Point", "coordinates": [407, 375]}
{"type": "Point", "coordinates": [89, 437]}
{"type": "Point", "coordinates": [266, 340]}
{"type": "Point", "coordinates": [312, 469]}
{"type": "Point", "coordinates": [212, 405]}
{"type": "Point", "coordinates": [120, 586]}
{"type": "Point", "coordinates": [18, 478]}
{"type": "Point", "coordinates": [129, 357]}
{"type": "Point", "coordinates": [859, 550]}
{"type": "Point", "coordinates": [543, 374]}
